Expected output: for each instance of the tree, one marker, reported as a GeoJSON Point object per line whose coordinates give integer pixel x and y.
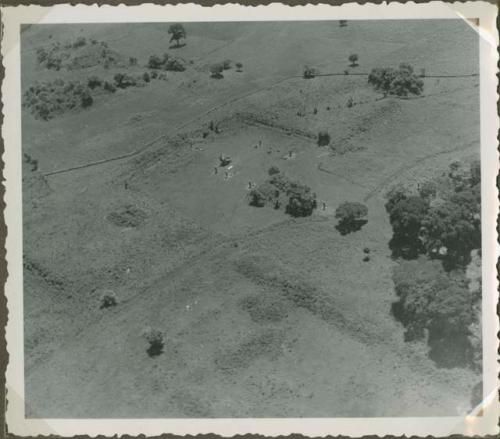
{"type": "Point", "coordinates": [437, 303]}
{"type": "Point", "coordinates": [177, 31]}
{"type": "Point", "coordinates": [323, 138]}
{"type": "Point", "coordinates": [301, 201]}
{"type": "Point", "coordinates": [353, 59]}
{"type": "Point", "coordinates": [216, 71]}
{"type": "Point", "coordinates": [342, 23]}
{"type": "Point", "coordinates": [351, 216]}
{"type": "Point", "coordinates": [406, 217]}
{"type": "Point", "coordinates": [399, 82]}
{"type": "Point", "coordinates": [309, 72]}
{"type": "Point", "coordinates": [452, 229]}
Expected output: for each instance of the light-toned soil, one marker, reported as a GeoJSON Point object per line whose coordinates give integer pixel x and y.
{"type": "Point", "coordinates": [263, 315]}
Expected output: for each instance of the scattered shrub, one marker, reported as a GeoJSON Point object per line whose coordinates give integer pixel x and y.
{"type": "Point", "coordinates": [323, 138]}
{"type": "Point", "coordinates": [366, 250]}
{"type": "Point", "coordinates": [122, 80]}
{"type": "Point", "coordinates": [80, 42]}
{"type": "Point", "coordinates": [175, 64]}
{"type": "Point", "coordinates": [156, 342]}
{"type": "Point", "coordinates": [108, 300]}
{"type": "Point", "coordinates": [350, 102]}
{"type": "Point", "coordinates": [239, 66]}
{"type": "Point", "coordinates": [108, 86]}
{"type": "Point", "coordinates": [366, 258]}
{"type": "Point", "coordinates": [132, 61]}
{"type": "Point", "coordinates": [154, 75]}
{"type": "Point", "coordinates": [146, 77]}
{"type": "Point", "coordinates": [273, 170]}
{"type": "Point", "coordinates": [310, 72]}
{"type": "Point", "coordinates": [351, 216]}
{"type": "Point", "coordinates": [257, 198]}
{"type": "Point", "coordinates": [226, 64]}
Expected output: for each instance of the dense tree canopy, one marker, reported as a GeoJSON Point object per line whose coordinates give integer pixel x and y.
{"type": "Point", "coordinates": [177, 31]}
{"type": "Point", "coordinates": [351, 216]}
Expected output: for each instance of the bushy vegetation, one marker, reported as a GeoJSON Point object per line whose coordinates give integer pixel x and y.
{"type": "Point", "coordinates": [279, 190]}
{"type": "Point", "coordinates": [438, 230]}
{"type": "Point", "coordinates": [444, 224]}
{"type": "Point", "coordinates": [437, 306]}
{"type": "Point", "coordinates": [351, 216]}
{"type": "Point", "coordinates": [79, 54]}
{"type": "Point", "coordinates": [399, 82]}
{"type": "Point", "coordinates": [167, 62]}
{"type": "Point", "coordinates": [108, 299]}
{"type": "Point", "coordinates": [50, 99]}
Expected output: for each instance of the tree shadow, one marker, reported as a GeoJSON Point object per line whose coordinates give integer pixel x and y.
{"type": "Point", "coordinates": [177, 46]}
{"type": "Point", "coordinates": [155, 349]}
{"type": "Point", "coordinates": [346, 227]}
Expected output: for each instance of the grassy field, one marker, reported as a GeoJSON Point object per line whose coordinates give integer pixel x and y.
{"type": "Point", "coordinates": [263, 315]}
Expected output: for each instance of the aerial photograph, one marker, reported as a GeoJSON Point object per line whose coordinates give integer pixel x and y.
{"type": "Point", "coordinates": [256, 219]}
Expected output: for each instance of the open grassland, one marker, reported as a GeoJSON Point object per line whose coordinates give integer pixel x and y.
{"type": "Point", "coordinates": [263, 315]}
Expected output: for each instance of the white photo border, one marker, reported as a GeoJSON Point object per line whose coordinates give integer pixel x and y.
{"type": "Point", "coordinates": [482, 421]}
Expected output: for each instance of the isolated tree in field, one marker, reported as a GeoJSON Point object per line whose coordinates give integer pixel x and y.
{"type": "Point", "coordinates": [323, 138]}
{"type": "Point", "coordinates": [353, 59]}
{"type": "Point", "coordinates": [342, 23]}
{"type": "Point", "coordinates": [216, 71]}
{"type": "Point", "coordinates": [309, 72]}
{"type": "Point", "coordinates": [177, 31]}
{"type": "Point", "coordinates": [351, 216]}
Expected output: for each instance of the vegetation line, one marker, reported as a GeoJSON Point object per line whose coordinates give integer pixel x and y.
{"type": "Point", "coordinates": [402, 169]}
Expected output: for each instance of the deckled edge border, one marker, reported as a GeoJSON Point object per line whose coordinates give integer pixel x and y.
{"type": "Point", "coordinates": [3, 228]}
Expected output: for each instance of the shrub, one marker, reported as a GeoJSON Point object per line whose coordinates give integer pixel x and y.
{"type": "Point", "coordinates": [155, 62]}
{"type": "Point", "coordinates": [80, 42]}
{"type": "Point", "coordinates": [342, 23]}
{"type": "Point", "coordinates": [122, 80]}
{"type": "Point", "coordinates": [366, 258]}
{"type": "Point", "coordinates": [216, 71]}
{"type": "Point", "coordinates": [350, 102]}
{"type": "Point", "coordinates": [108, 299]}
{"type": "Point", "coordinates": [146, 77]}
{"type": "Point", "coordinates": [132, 61]}
{"type": "Point", "coordinates": [226, 64]}
{"type": "Point", "coordinates": [174, 65]}
{"type": "Point", "coordinates": [154, 75]}
{"type": "Point", "coordinates": [86, 99]}
{"type": "Point", "coordinates": [351, 216]}
{"type": "Point", "coordinates": [239, 66]}
{"type": "Point", "coordinates": [108, 86]}
{"type": "Point", "coordinates": [94, 81]}
{"type": "Point", "coordinates": [156, 342]}
{"type": "Point", "coordinates": [273, 170]}
{"type": "Point", "coordinates": [256, 198]}
{"type": "Point", "coordinates": [323, 138]}
{"type": "Point", "coordinates": [353, 59]}
{"type": "Point", "coordinates": [309, 72]}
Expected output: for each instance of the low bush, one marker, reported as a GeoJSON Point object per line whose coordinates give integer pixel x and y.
{"type": "Point", "coordinates": [108, 300]}
{"type": "Point", "coordinates": [216, 71]}
{"type": "Point", "coordinates": [122, 80]}
{"type": "Point", "coordinates": [226, 64]}
{"type": "Point", "coordinates": [310, 72]}
{"type": "Point", "coordinates": [273, 170]}
{"type": "Point", "coordinates": [156, 342]}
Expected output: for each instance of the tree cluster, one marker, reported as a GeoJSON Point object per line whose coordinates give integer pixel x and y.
{"type": "Point", "coordinates": [298, 199]}
{"type": "Point", "coordinates": [400, 82]}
